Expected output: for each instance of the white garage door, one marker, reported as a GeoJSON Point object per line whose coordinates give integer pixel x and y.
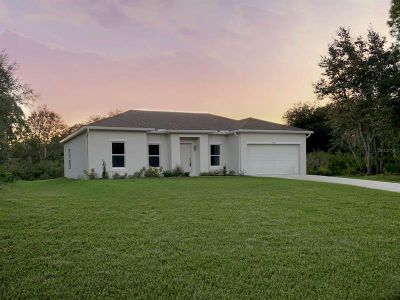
{"type": "Point", "coordinates": [272, 159]}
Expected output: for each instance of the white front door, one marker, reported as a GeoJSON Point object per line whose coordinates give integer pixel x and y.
{"type": "Point", "coordinates": [186, 157]}
{"type": "Point", "coordinates": [273, 159]}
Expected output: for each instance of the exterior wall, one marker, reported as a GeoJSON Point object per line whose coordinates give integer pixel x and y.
{"type": "Point", "coordinates": [216, 139]}
{"type": "Point", "coordinates": [78, 150]}
{"type": "Point", "coordinates": [232, 160]}
{"type": "Point", "coordinates": [99, 149]}
{"type": "Point", "coordinates": [163, 141]}
{"type": "Point", "coordinates": [97, 146]}
{"type": "Point", "coordinates": [201, 154]}
{"type": "Point", "coordinates": [272, 138]}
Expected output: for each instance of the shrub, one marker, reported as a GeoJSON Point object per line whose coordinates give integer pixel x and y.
{"type": "Point", "coordinates": [91, 174]}
{"type": "Point", "coordinates": [219, 172]}
{"type": "Point", "coordinates": [168, 173]}
{"type": "Point", "coordinates": [178, 172]}
{"type": "Point", "coordinates": [328, 164]}
{"type": "Point", "coordinates": [5, 175]}
{"type": "Point", "coordinates": [152, 172]}
{"type": "Point", "coordinates": [104, 174]}
{"type": "Point", "coordinates": [118, 176]}
{"type": "Point", "coordinates": [138, 174]}
{"type": "Point", "coordinates": [41, 170]}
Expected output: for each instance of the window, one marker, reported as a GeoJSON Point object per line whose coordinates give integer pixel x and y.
{"type": "Point", "coordinates": [69, 158]}
{"type": "Point", "coordinates": [215, 155]}
{"type": "Point", "coordinates": [154, 156]}
{"type": "Point", "coordinates": [118, 154]}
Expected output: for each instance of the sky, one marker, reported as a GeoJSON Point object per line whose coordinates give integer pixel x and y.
{"type": "Point", "coordinates": [236, 58]}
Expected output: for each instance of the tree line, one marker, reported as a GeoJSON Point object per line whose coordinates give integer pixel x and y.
{"type": "Point", "coordinates": [29, 145]}
{"type": "Point", "coordinates": [356, 119]}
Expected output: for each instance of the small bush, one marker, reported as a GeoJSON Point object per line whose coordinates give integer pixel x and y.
{"type": "Point", "coordinates": [220, 172]}
{"type": "Point", "coordinates": [178, 172]}
{"type": "Point", "coordinates": [5, 175]}
{"type": "Point", "coordinates": [118, 176]}
{"type": "Point", "coordinates": [104, 174]}
{"type": "Point", "coordinates": [168, 173]}
{"type": "Point", "coordinates": [152, 172]}
{"type": "Point", "coordinates": [91, 174]}
{"type": "Point", "coordinates": [138, 174]}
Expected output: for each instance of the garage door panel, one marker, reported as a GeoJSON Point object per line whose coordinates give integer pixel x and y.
{"type": "Point", "coordinates": [272, 159]}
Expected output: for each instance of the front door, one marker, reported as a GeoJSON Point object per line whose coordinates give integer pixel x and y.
{"type": "Point", "coordinates": [186, 157]}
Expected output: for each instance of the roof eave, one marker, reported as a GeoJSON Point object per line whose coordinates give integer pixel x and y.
{"type": "Point", "coordinates": [272, 131]}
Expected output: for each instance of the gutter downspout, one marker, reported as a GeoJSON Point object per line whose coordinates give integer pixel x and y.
{"type": "Point", "coordinates": [87, 149]}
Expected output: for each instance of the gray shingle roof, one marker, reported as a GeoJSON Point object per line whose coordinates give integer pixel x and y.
{"type": "Point", "coordinates": [186, 121]}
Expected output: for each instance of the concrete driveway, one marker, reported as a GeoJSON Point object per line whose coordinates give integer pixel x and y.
{"type": "Point", "coordinates": [371, 184]}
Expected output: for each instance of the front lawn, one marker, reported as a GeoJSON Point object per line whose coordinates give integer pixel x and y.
{"type": "Point", "coordinates": [208, 238]}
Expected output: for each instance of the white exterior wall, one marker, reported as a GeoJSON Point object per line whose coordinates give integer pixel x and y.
{"type": "Point", "coordinates": [223, 141]}
{"type": "Point", "coordinates": [272, 138]}
{"type": "Point", "coordinates": [99, 149]}
{"type": "Point", "coordinates": [88, 151]}
{"type": "Point", "coordinates": [232, 161]}
{"type": "Point", "coordinates": [163, 141]}
{"type": "Point", "coordinates": [77, 147]}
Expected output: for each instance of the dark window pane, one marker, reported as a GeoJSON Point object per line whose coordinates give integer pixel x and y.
{"type": "Point", "coordinates": [154, 161]}
{"type": "Point", "coordinates": [118, 161]}
{"type": "Point", "coordinates": [215, 149]}
{"type": "Point", "coordinates": [215, 160]}
{"type": "Point", "coordinates": [118, 148]}
{"type": "Point", "coordinates": [154, 149]}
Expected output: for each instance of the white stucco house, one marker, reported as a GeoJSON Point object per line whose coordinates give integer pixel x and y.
{"type": "Point", "coordinates": [198, 142]}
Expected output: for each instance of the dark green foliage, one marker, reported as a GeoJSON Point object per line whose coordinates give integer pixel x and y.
{"type": "Point", "coordinates": [45, 169]}
{"type": "Point", "coordinates": [329, 164]}
{"type": "Point", "coordinates": [361, 78]}
{"type": "Point", "coordinates": [178, 172]}
{"type": "Point", "coordinates": [13, 95]}
{"type": "Point", "coordinates": [202, 238]}
{"type": "Point", "coordinates": [167, 173]}
{"type": "Point", "coordinates": [119, 176]}
{"type": "Point", "coordinates": [315, 118]}
{"type": "Point", "coordinates": [104, 173]}
{"type": "Point", "coordinates": [91, 174]}
{"type": "Point", "coordinates": [5, 175]}
{"type": "Point", "coordinates": [394, 19]}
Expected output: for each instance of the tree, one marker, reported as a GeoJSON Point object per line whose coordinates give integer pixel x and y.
{"type": "Point", "coordinates": [13, 95]}
{"type": "Point", "coordinates": [45, 126]}
{"type": "Point", "coordinates": [91, 119]}
{"type": "Point", "coordinates": [358, 78]}
{"type": "Point", "coordinates": [315, 118]}
{"type": "Point", "coordinates": [394, 19]}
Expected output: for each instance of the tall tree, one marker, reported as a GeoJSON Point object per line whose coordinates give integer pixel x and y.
{"type": "Point", "coordinates": [44, 127]}
{"type": "Point", "coordinates": [358, 78]}
{"type": "Point", "coordinates": [315, 118]}
{"type": "Point", "coordinates": [13, 95]}
{"type": "Point", "coordinates": [394, 19]}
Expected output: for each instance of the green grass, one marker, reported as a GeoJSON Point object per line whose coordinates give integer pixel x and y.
{"type": "Point", "coordinates": [203, 238]}
{"type": "Point", "coordinates": [386, 178]}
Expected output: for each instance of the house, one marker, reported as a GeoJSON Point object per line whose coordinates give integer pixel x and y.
{"type": "Point", "coordinates": [198, 142]}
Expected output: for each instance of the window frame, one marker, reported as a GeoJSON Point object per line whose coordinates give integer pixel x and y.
{"type": "Point", "coordinates": [159, 155]}
{"type": "Point", "coordinates": [112, 155]}
{"type": "Point", "coordinates": [216, 155]}
{"type": "Point", "coordinates": [69, 158]}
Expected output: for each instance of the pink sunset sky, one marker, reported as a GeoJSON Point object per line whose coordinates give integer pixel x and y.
{"type": "Point", "coordinates": [236, 58]}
